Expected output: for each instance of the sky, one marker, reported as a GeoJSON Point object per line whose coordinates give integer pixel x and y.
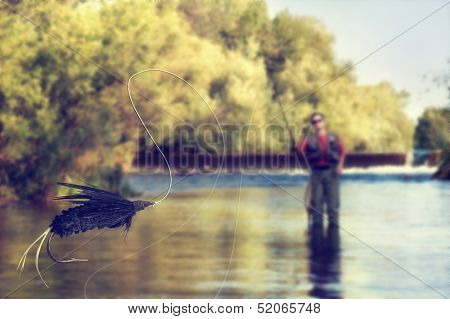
{"type": "Point", "coordinates": [409, 63]}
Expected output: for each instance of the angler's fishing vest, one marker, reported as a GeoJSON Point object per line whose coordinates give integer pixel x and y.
{"type": "Point", "coordinates": [313, 152]}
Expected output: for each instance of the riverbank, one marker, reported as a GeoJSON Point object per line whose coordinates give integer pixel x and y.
{"type": "Point", "coordinates": [443, 172]}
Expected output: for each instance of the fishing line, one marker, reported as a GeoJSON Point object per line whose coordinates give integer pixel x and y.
{"type": "Point", "coordinates": [230, 260]}
{"type": "Point", "coordinates": [240, 190]}
{"type": "Point", "coordinates": [236, 221]}
{"type": "Point", "coordinates": [170, 172]}
{"type": "Point", "coordinates": [307, 195]}
{"type": "Point", "coordinates": [148, 132]}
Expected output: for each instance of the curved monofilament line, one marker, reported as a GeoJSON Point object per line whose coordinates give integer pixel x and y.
{"type": "Point", "coordinates": [148, 132]}
{"type": "Point", "coordinates": [23, 259]}
{"type": "Point", "coordinates": [198, 206]}
{"type": "Point", "coordinates": [151, 137]}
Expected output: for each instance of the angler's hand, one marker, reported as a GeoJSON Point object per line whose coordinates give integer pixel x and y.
{"type": "Point", "coordinates": [339, 169]}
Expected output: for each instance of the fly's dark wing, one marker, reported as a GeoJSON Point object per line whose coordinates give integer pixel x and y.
{"type": "Point", "coordinates": [96, 208]}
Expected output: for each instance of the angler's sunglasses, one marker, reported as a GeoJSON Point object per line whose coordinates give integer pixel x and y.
{"type": "Point", "coordinates": [316, 121]}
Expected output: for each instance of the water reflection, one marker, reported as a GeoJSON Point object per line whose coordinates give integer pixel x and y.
{"type": "Point", "coordinates": [182, 249]}
{"type": "Point", "coordinates": [324, 261]}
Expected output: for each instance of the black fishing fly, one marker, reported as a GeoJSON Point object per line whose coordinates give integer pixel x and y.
{"type": "Point", "coordinates": [96, 208]}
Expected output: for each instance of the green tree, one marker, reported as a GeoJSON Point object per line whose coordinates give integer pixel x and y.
{"type": "Point", "coordinates": [432, 129]}
{"type": "Point", "coordinates": [64, 107]}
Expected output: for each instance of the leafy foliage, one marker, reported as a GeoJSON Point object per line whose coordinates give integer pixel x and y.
{"type": "Point", "coordinates": [431, 132]}
{"type": "Point", "coordinates": [64, 106]}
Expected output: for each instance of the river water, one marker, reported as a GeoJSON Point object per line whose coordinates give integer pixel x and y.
{"type": "Point", "coordinates": [247, 236]}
